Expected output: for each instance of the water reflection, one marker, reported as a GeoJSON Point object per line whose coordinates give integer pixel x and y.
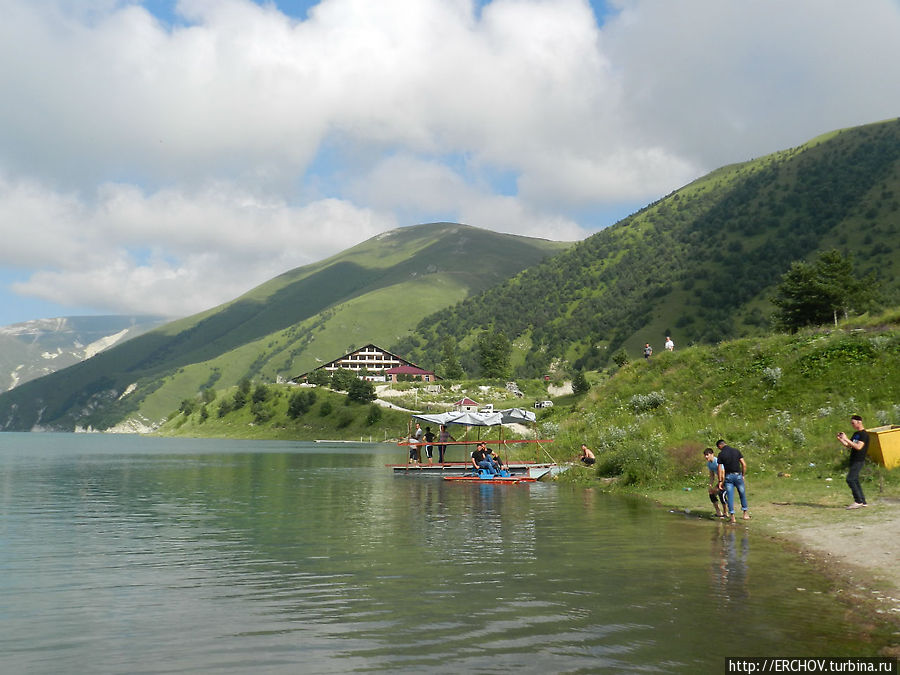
{"type": "Point", "coordinates": [238, 560]}
{"type": "Point", "coordinates": [730, 553]}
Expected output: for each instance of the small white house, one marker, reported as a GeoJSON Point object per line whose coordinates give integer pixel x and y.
{"type": "Point", "coordinates": [466, 405]}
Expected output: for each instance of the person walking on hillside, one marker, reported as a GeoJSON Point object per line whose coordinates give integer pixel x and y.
{"type": "Point", "coordinates": [859, 446]}
{"type": "Point", "coordinates": [732, 469]}
{"type": "Point", "coordinates": [670, 345]}
{"type": "Point", "coordinates": [648, 350]}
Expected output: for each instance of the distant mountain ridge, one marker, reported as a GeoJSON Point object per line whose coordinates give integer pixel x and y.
{"type": "Point", "coordinates": [373, 292]}
{"type": "Point", "coordinates": [32, 349]}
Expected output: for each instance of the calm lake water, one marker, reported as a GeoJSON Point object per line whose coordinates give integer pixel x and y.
{"type": "Point", "coordinates": [124, 554]}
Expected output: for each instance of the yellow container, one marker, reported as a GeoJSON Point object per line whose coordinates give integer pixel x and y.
{"type": "Point", "coordinates": [884, 445]}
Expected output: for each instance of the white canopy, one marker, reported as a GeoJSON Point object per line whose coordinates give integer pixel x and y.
{"type": "Point", "coordinates": [479, 419]}
{"type": "Point", "coordinates": [518, 416]}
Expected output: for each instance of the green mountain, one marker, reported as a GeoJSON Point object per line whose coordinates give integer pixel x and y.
{"type": "Point", "coordinates": [374, 292]}
{"type": "Point", "coordinates": [699, 265]}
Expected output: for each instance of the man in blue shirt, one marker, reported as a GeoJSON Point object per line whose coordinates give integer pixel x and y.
{"type": "Point", "coordinates": [716, 494]}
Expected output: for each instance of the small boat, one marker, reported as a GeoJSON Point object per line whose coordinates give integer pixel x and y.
{"type": "Point", "coordinates": [481, 476]}
{"type": "Point", "coordinates": [530, 469]}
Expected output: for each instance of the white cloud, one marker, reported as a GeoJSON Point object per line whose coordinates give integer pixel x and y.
{"type": "Point", "coordinates": [716, 82]}
{"type": "Point", "coordinates": [169, 252]}
{"type": "Point", "coordinates": [241, 138]}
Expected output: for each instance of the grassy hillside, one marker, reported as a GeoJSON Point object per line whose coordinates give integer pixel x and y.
{"type": "Point", "coordinates": [374, 292]}
{"type": "Point", "coordinates": [702, 263]}
{"type": "Point", "coordinates": [779, 399]}
{"type": "Point", "coordinates": [330, 416]}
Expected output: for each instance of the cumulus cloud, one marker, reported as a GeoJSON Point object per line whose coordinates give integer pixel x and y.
{"type": "Point", "coordinates": [170, 252]}
{"type": "Point", "coordinates": [238, 138]}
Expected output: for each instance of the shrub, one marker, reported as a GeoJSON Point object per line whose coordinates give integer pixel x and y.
{"type": "Point", "coordinates": [637, 464]}
{"type": "Point", "coordinates": [261, 394]}
{"type": "Point", "coordinates": [325, 409]}
{"type": "Point", "coordinates": [320, 378]}
{"type": "Point", "coordinates": [300, 403]}
{"type": "Point", "coordinates": [261, 412]}
{"type": "Point", "coordinates": [686, 459]}
{"type": "Point", "coordinates": [549, 429]}
{"type": "Point", "coordinates": [580, 385]}
{"type": "Point", "coordinates": [375, 414]}
{"type": "Point", "coordinates": [240, 399]}
{"type": "Point", "coordinates": [361, 391]}
{"type": "Point", "coordinates": [772, 376]}
{"type": "Point", "coordinates": [645, 402]}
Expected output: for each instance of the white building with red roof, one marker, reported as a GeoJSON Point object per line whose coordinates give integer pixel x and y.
{"type": "Point", "coordinates": [466, 405]}
{"type": "Point", "coordinates": [370, 363]}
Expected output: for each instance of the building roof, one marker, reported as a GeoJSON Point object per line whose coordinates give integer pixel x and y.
{"type": "Point", "coordinates": [466, 401]}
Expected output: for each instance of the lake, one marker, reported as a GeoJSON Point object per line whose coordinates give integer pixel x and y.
{"type": "Point", "coordinates": [126, 554]}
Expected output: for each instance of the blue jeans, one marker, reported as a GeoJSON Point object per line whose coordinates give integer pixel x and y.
{"type": "Point", "coordinates": [488, 466]}
{"type": "Point", "coordinates": [732, 481]}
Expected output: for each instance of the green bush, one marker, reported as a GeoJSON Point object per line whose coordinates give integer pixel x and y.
{"type": "Point", "coordinates": [300, 403]}
{"type": "Point", "coordinates": [375, 414]}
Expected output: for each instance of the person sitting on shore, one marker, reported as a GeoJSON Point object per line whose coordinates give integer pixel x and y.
{"type": "Point", "coordinates": [587, 457]}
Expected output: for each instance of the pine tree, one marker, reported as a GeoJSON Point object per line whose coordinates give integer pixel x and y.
{"type": "Point", "coordinates": [450, 366]}
{"type": "Point", "coordinates": [494, 354]}
{"type": "Point", "coordinates": [815, 294]}
{"type": "Point", "coordinates": [361, 391]}
{"type": "Point", "coordinates": [580, 385]}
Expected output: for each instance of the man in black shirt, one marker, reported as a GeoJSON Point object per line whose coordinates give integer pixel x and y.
{"type": "Point", "coordinates": [481, 459]}
{"type": "Point", "coordinates": [859, 446]}
{"type": "Point", "coordinates": [732, 469]}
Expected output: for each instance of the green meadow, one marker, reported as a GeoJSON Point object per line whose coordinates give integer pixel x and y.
{"type": "Point", "coordinates": [780, 399]}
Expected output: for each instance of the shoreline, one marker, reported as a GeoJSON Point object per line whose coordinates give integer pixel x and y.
{"type": "Point", "coordinates": [858, 552]}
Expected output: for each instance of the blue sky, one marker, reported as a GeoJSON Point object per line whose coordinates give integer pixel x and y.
{"type": "Point", "coordinates": [164, 157]}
